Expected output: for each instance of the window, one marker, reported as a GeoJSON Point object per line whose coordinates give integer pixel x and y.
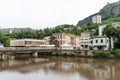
{"type": "Point", "coordinates": [101, 40]}
{"type": "Point", "coordinates": [60, 36]}
{"type": "Point", "coordinates": [96, 41]}
{"type": "Point", "coordinates": [91, 41]}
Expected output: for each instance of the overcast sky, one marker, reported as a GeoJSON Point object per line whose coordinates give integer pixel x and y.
{"type": "Point", "coordinates": [39, 14]}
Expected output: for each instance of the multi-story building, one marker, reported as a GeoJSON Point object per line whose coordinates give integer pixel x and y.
{"type": "Point", "coordinates": [64, 38]}
{"type": "Point", "coordinates": [85, 42]}
{"type": "Point", "coordinates": [99, 43]}
{"type": "Point", "coordinates": [97, 19]}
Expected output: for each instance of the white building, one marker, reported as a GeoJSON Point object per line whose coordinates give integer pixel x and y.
{"type": "Point", "coordinates": [101, 29]}
{"type": "Point", "coordinates": [99, 43]}
{"type": "Point", "coordinates": [97, 19]}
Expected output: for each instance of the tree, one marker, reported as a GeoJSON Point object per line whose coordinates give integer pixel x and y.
{"type": "Point", "coordinates": [110, 32]}
{"type": "Point", "coordinates": [40, 33]}
{"type": "Point", "coordinates": [5, 40]}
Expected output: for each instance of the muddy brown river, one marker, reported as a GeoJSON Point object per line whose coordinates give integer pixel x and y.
{"type": "Point", "coordinates": [60, 68]}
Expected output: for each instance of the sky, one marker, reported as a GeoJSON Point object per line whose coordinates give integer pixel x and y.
{"type": "Point", "coordinates": [40, 14]}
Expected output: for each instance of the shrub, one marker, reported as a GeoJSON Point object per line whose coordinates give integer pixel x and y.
{"type": "Point", "coordinates": [101, 54]}
{"type": "Point", "coordinates": [116, 54]}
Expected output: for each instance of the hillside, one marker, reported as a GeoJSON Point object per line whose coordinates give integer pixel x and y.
{"type": "Point", "coordinates": [7, 30]}
{"type": "Point", "coordinates": [109, 11]}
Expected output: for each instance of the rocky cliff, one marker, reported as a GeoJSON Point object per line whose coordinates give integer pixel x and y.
{"type": "Point", "coordinates": [107, 12]}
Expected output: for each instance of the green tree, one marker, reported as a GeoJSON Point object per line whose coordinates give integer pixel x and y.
{"type": "Point", "coordinates": [110, 32]}
{"type": "Point", "coordinates": [40, 33]}
{"type": "Point", "coordinates": [5, 40]}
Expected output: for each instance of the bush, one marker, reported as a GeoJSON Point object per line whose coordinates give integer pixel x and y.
{"type": "Point", "coordinates": [116, 54]}
{"type": "Point", "coordinates": [101, 54]}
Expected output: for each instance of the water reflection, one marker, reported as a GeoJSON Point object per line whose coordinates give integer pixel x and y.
{"type": "Point", "coordinates": [59, 68]}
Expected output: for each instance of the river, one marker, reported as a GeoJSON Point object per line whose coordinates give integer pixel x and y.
{"type": "Point", "coordinates": [60, 68]}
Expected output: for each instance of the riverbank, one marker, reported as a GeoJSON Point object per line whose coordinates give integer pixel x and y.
{"type": "Point", "coordinates": [91, 54]}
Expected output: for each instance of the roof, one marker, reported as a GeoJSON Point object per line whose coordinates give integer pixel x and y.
{"type": "Point", "coordinates": [99, 37]}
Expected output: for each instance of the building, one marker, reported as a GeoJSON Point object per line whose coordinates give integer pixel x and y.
{"type": "Point", "coordinates": [85, 42]}
{"type": "Point", "coordinates": [47, 40]}
{"type": "Point", "coordinates": [26, 42]}
{"type": "Point", "coordinates": [101, 27]}
{"type": "Point", "coordinates": [13, 30]}
{"type": "Point", "coordinates": [97, 19]}
{"type": "Point", "coordinates": [116, 25]}
{"type": "Point", "coordinates": [99, 43]}
{"type": "Point", "coordinates": [67, 38]}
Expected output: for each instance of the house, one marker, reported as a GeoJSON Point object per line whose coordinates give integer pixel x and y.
{"type": "Point", "coordinates": [99, 43]}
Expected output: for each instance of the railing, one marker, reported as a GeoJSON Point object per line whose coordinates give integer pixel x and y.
{"type": "Point", "coordinates": [32, 48]}
{"type": "Point", "coordinates": [27, 48]}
